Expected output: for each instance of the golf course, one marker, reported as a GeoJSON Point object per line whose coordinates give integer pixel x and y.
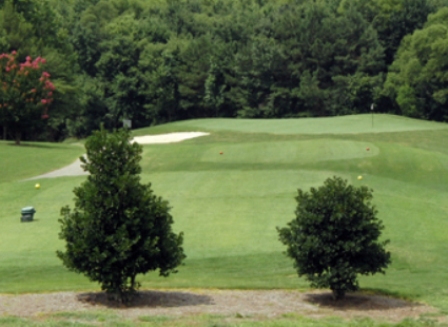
{"type": "Point", "coordinates": [229, 190]}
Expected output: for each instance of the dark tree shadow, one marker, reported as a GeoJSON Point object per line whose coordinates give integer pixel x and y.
{"type": "Point", "coordinates": [358, 301]}
{"type": "Point", "coordinates": [43, 145]}
{"type": "Point", "coordinates": [148, 299]}
{"type": "Point", "coordinates": [30, 221]}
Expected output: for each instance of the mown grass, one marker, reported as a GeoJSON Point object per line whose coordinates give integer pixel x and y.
{"type": "Point", "coordinates": [353, 124]}
{"type": "Point", "coordinates": [229, 204]}
{"type": "Point", "coordinates": [32, 159]}
{"type": "Point", "coordinates": [100, 319]}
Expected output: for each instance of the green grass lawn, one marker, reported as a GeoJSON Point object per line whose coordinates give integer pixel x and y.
{"type": "Point", "coordinates": [32, 159]}
{"type": "Point", "coordinates": [353, 124]}
{"type": "Point", "coordinates": [229, 205]}
{"type": "Point", "coordinates": [100, 318]}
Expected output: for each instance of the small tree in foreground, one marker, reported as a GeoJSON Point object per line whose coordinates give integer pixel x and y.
{"type": "Point", "coordinates": [334, 236]}
{"type": "Point", "coordinates": [118, 228]}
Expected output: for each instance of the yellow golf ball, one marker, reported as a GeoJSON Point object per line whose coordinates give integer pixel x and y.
{"type": "Point", "coordinates": [359, 177]}
{"type": "Point", "coordinates": [37, 186]}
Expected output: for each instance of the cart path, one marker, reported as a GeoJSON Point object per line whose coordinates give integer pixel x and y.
{"type": "Point", "coordinates": [75, 168]}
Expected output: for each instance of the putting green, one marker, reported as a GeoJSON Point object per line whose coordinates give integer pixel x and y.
{"type": "Point", "coordinates": [353, 124]}
{"type": "Point", "coordinates": [299, 152]}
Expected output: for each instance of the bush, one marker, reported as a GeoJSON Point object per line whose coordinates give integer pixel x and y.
{"type": "Point", "coordinates": [118, 228]}
{"type": "Point", "coordinates": [334, 236]}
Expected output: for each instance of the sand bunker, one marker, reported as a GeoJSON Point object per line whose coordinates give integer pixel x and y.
{"type": "Point", "coordinates": [167, 138]}
{"type": "Point", "coordinates": [75, 169]}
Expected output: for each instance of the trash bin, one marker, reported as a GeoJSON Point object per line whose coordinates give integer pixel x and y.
{"type": "Point", "coordinates": [27, 214]}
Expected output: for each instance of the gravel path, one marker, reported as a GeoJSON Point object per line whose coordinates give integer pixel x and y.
{"type": "Point", "coordinates": [269, 303]}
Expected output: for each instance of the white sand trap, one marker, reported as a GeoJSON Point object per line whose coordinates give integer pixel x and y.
{"type": "Point", "coordinates": [167, 138]}
{"type": "Point", "coordinates": [75, 169]}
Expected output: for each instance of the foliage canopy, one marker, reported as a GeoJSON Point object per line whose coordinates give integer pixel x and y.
{"type": "Point", "coordinates": [159, 61]}
{"type": "Point", "coordinates": [25, 94]}
{"type": "Point", "coordinates": [119, 228]}
{"type": "Point", "coordinates": [418, 77]}
{"type": "Point", "coordinates": [334, 236]}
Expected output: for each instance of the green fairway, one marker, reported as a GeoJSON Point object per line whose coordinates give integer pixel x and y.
{"type": "Point", "coordinates": [228, 205]}
{"type": "Point", "coordinates": [354, 124]}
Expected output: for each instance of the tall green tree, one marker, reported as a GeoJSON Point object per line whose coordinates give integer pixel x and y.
{"type": "Point", "coordinates": [33, 25]}
{"type": "Point", "coordinates": [118, 228]}
{"type": "Point", "coordinates": [258, 64]}
{"type": "Point", "coordinates": [418, 78]}
{"type": "Point", "coordinates": [16, 32]}
{"type": "Point", "coordinates": [117, 69]}
{"type": "Point", "coordinates": [392, 19]}
{"type": "Point", "coordinates": [160, 64]}
{"type": "Point", "coordinates": [89, 31]}
{"type": "Point", "coordinates": [332, 59]}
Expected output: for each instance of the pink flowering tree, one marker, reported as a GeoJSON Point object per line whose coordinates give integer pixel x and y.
{"type": "Point", "coordinates": [26, 93]}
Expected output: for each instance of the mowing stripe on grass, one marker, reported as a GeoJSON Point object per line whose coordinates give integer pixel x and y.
{"type": "Point", "coordinates": [353, 124]}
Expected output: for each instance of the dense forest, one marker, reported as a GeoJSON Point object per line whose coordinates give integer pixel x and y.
{"type": "Point", "coordinates": [156, 61]}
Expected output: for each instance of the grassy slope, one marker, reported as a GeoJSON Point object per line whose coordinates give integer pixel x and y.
{"type": "Point", "coordinates": [316, 126]}
{"type": "Point", "coordinates": [32, 159]}
{"type": "Point", "coordinates": [229, 205]}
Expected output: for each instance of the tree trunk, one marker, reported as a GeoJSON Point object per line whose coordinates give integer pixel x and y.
{"type": "Point", "coordinates": [4, 132]}
{"type": "Point", "coordinates": [132, 286]}
{"type": "Point", "coordinates": [18, 137]}
{"type": "Point", "coordinates": [338, 294]}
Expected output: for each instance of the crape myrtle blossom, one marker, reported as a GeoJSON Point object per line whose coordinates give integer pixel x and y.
{"type": "Point", "coordinates": [26, 91]}
{"type": "Point", "coordinates": [25, 84]}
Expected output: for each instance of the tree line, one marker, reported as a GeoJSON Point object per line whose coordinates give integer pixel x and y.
{"type": "Point", "coordinates": [154, 62]}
